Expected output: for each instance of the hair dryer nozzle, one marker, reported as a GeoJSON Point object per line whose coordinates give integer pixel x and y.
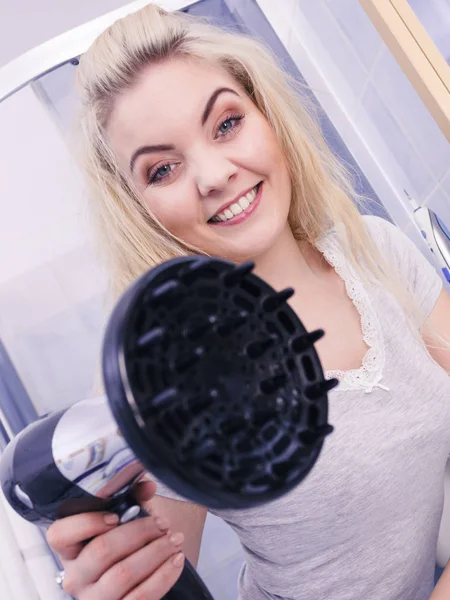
{"type": "Point", "coordinates": [215, 382]}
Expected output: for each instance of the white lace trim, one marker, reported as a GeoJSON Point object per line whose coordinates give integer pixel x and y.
{"type": "Point", "coordinates": [369, 375]}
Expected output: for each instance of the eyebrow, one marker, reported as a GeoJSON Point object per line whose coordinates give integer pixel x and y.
{"type": "Point", "coordinates": [210, 104]}
{"type": "Point", "coordinates": [149, 150]}
{"type": "Point", "coordinates": [168, 147]}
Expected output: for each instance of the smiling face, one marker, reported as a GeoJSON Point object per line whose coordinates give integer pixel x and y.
{"type": "Point", "coordinates": [204, 159]}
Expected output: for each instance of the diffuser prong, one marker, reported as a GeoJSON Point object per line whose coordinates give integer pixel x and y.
{"type": "Point", "coordinates": [165, 290]}
{"type": "Point", "coordinates": [164, 398]}
{"type": "Point", "coordinates": [238, 273]}
{"type": "Point", "coordinates": [303, 342]}
{"type": "Point", "coordinates": [273, 384]}
{"type": "Point", "coordinates": [257, 349]}
{"type": "Point", "coordinates": [276, 300]}
{"type": "Point", "coordinates": [315, 391]}
{"type": "Point", "coordinates": [153, 336]}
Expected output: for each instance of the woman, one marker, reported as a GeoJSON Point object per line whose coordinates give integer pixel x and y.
{"type": "Point", "coordinates": [196, 142]}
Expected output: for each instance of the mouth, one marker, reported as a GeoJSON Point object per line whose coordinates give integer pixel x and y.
{"type": "Point", "coordinates": [238, 210]}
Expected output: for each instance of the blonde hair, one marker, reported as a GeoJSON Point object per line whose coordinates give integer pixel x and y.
{"type": "Point", "coordinates": [322, 190]}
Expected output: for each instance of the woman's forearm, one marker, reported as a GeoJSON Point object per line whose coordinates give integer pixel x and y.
{"type": "Point", "coordinates": [442, 589]}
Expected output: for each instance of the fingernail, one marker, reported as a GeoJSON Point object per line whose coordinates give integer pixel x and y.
{"type": "Point", "coordinates": [111, 519]}
{"type": "Point", "coordinates": [162, 523]}
{"type": "Point", "coordinates": [177, 538]}
{"type": "Point", "coordinates": [178, 559]}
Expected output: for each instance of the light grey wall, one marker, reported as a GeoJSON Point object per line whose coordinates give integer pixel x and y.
{"type": "Point", "coordinates": [25, 24]}
{"type": "Point", "coordinates": [51, 287]}
{"type": "Point", "coordinates": [386, 103]}
{"type": "Point", "coordinates": [435, 17]}
{"type": "Point", "coordinates": [370, 101]}
{"type": "Point", "coordinates": [384, 100]}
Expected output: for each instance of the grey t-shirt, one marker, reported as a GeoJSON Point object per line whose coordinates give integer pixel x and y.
{"type": "Point", "coordinates": [364, 523]}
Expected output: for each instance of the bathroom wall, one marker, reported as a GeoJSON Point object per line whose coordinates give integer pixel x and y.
{"type": "Point", "coordinates": [24, 24]}
{"type": "Point", "coordinates": [370, 101]}
{"type": "Point", "coordinates": [51, 287]}
{"type": "Point", "coordinates": [435, 17]}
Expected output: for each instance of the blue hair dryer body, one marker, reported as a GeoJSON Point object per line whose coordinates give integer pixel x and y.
{"type": "Point", "coordinates": [75, 461]}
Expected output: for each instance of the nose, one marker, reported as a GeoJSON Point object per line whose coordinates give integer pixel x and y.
{"type": "Point", "coordinates": [213, 173]}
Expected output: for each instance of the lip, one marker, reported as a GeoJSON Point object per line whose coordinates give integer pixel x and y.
{"type": "Point", "coordinates": [245, 213]}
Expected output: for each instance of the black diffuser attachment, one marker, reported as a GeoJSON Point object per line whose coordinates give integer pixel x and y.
{"type": "Point", "coordinates": [215, 382]}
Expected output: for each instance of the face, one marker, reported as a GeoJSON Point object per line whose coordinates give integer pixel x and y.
{"type": "Point", "coordinates": [204, 159]}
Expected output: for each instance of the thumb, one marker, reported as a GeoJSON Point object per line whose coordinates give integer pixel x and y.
{"type": "Point", "coordinates": [144, 490]}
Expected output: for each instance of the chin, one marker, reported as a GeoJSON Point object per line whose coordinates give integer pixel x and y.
{"type": "Point", "coordinates": [251, 244]}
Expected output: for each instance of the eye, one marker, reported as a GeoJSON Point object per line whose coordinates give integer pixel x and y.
{"type": "Point", "coordinates": [157, 174]}
{"type": "Point", "coordinates": [228, 126]}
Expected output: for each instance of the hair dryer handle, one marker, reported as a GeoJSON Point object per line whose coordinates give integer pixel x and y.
{"type": "Point", "coordinates": [189, 586]}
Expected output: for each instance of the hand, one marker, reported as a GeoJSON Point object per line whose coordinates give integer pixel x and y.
{"type": "Point", "coordinates": [137, 560]}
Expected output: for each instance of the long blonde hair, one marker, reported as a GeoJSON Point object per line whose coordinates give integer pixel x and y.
{"type": "Point", "coordinates": [322, 190]}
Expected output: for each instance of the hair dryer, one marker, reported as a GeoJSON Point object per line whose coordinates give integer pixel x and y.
{"type": "Point", "coordinates": [435, 233]}
{"type": "Point", "coordinates": [213, 385]}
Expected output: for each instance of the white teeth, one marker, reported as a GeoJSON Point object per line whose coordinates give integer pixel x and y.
{"type": "Point", "coordinates": [236, 208]}
{"type": "Point", "coordinates": [251, 195]}
{"type": "Point", "coordinates": [244, 203]}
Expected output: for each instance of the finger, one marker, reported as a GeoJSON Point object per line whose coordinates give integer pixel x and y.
{"type": "Point", "coordinates": [135, 569]}
{"type": "Point", "coordinates": [162, 580]}
{"type": "Point", "coordinates": [67, 536]}
{"type": "Point", "coordinates": [146, 477]}
{"type": "Point", "coordinates": [144, 491]}
{"type": "Point", "coordinates": [106, 550]}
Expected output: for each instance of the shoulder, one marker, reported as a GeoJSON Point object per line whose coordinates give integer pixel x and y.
{"type": "Point", "coordinates": [393, 244]}
{"type": "Point", "coordinates": [383, 231]}
{"type": "Point", "coordinates": [413, 268]}
{"type": "Point", "coordinates": [387, 237]}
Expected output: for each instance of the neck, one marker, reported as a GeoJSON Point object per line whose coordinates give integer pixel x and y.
{"type": "Point", "coordinates": [290, 263]}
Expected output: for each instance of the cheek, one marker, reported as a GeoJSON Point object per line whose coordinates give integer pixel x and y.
{"type": "Point", "coordinates": [176, 212]}
{"type": "Point", "coordinates": [265, 148]}
{"type": "Point", "coordinates": [275, 153]}
{"type": "Point", "coordinates": [277, 161]}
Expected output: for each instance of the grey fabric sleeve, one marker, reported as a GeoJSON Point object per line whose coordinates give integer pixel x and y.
{"type": "Point", "coordinates": [414, 270]}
